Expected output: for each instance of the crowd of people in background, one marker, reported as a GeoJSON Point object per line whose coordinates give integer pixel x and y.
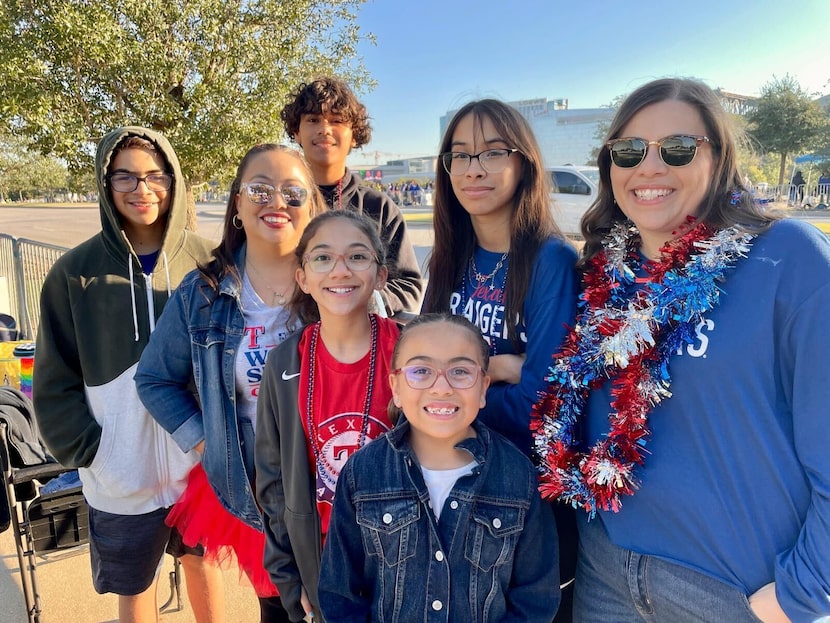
{"type": "Point", "coordinates": [410, 192]}
{"type": "Point", "coordinates": [542, 432]}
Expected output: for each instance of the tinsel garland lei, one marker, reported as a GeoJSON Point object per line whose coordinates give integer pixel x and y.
{"type": "Point", "coordinates": [626, 331]}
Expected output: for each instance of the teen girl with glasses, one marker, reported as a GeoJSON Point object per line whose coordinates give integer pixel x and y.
{"type": "Point", "coordinates": [219, 326]}
{"type": "Point", "coordinates": [500, 261]}
{"type": "Point", "coordinates": [687, 413]}
{"type": "Point", "coordinates": [324, 395]}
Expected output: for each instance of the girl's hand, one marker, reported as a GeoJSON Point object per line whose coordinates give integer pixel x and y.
{"type": "Point", "coordinates": [506, 368]}
{"type": "Point", "coordinates": [306, 604]}
{"type": "Point", "coordinates": [764, 605]}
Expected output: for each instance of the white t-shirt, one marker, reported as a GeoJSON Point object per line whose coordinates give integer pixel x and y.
{"type": "Point", "coordinates": [265, 328]}
{"type": "Point", "coordinates": [440, 482]}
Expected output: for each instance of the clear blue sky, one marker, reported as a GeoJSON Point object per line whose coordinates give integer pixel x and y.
{"type": "Point", "coordinates": [433, 56]}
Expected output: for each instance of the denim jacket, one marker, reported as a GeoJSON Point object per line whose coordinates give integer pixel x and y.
{"type": "Point", "coordinates": [196, 341]}
{"type": "Point", "coordinates": [493, 556]}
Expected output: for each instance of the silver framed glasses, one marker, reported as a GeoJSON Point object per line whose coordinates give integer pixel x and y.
{"type": "Point", "coordinates": [422, 376]}
{"type": "Point", "coordinates": [491, 160]}
{"type": "Point", "coordinates": [261, 194]}
{"type": "Point", "coordinates": [127, 182]}
{"type": "Point", "coordinates": [323, 262]}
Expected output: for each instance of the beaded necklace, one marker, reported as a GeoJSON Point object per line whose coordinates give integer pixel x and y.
{"type": "Point", "coordinates": [471, 275]}
{"type": "Point", "coordinates": [319, 457]}
{"type": "Point", "coordinates": [626, 331]}
{"type": "Point", "coordinates": [334, 194]}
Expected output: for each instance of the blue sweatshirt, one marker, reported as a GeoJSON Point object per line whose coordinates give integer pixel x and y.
{"type": "Point", "coordinates": [549, 307]}
{"type": "Point", "coordinates": [736, 482]}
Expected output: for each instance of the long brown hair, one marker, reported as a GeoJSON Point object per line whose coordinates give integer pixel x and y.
{"type": "Point", "coordinates": [727, 202]}
{"type": "Point", "coordinates": [233, 238]}
{"type": "Point", "coordinates": [531, 222]}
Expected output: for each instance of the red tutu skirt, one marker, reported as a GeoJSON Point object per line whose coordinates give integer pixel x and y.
{"type": "Point", "coordinates": [201, 519]}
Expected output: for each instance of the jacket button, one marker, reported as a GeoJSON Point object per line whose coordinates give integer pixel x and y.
{"type": "Point", "coordinates": [387, 518]}
{"type": "Point", "coordinates": [439, 555]}
{"type": "Point", "coordinates": [454, 504]}
{"type": "Point", "coordinates": [497, 523]}
{"type": "Point", "coordinates": [437, 605]}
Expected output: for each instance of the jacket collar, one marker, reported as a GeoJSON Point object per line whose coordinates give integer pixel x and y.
{"type": "Point", "coordinates": [231, 283]}
{"type": "Point", "coordinates": [477, 446]}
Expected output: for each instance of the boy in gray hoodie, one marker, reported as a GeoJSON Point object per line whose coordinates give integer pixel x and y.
{"type": "Point", "coordinates": [99, 304]}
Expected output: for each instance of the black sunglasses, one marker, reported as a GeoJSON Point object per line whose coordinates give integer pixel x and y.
{"type": "Point", "coordinates": [677, 150]}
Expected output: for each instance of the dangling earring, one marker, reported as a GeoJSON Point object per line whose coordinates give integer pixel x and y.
{"type": "Point", "coordinates": [237, 222]}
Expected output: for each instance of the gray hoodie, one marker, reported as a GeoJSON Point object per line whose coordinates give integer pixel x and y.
{"type": "Point", "coordinates": [97, 312]}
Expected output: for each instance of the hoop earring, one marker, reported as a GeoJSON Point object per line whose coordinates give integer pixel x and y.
{"type": "Point", "coordinates": [236, 221]}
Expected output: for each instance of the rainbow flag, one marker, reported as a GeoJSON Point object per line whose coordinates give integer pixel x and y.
{"type": "Point", "coordinates": [27, 366]}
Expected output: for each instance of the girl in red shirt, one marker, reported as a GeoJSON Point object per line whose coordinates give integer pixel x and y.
{"type": "Point", "coordinates": [324, 395]}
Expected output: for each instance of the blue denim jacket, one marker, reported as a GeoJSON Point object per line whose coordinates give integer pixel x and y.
{"type": "Point", "coordinates": [196, 341]}
{"type": "Point", "coordinates": [493, 556]}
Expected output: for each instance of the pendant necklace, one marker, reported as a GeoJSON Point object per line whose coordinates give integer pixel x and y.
{"type": "Point", "coordinates": [481, 279]}
{"type": "Point", "coordinates": [277, 298]}
{"type": "Point", "coordinates": [324, 468]}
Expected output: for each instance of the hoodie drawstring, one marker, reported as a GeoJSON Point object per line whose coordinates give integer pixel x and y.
{"type": "Point", "coordinates": [167, 274]}
{"type": "Point", "coordinates": [148, 289]}
{"type": "Point", "coordinates": [132, 295]}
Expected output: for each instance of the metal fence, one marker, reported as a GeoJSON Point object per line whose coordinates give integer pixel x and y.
{"type": "Point", "coordinates": [807, 196]}
{"type": "Point", "coordinates": [23, 267]}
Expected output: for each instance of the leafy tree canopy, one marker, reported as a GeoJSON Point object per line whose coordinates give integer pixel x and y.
{"type": "Point", "coordinates": [787, 120]}
{"type": "Point", "coordinates": [25, 174]}
{"type": "Point", "coordinates": [212, 75]}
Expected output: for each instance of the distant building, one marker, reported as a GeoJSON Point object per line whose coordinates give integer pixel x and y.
{"type": "Point", "coordinates": [566, 136]}
{"type": "Point", "coordinates": [737, 104]}
{"type": "Point", "coordinates": [402, 169]}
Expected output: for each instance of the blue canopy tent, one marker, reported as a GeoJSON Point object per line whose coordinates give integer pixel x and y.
{"type": "Point", "coordinates": [811, 158]}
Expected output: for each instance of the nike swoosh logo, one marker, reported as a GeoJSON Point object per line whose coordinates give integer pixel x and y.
{"type": "Point", "coordinates": [288, 377]}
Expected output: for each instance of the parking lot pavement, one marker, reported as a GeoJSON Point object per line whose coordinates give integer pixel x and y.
{"type": "Point", "coordinates": [67, 595]}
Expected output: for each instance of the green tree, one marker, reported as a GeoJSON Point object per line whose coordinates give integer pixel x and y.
{"type": "Point", "coordinates": [212, 75]}
{"type": "Point", "coordinates": [25, 174]}
{"type": "Point", "coordinates": [601, 131]}
{"type": "Point", "coordinates": [787, 121]}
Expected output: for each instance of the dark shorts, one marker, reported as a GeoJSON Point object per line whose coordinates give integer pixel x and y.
{"type": "Point", "coordinates": [126, 550]}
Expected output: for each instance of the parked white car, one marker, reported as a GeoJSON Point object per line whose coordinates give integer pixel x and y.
{"type": "Point", "coordinates": [575, 189]}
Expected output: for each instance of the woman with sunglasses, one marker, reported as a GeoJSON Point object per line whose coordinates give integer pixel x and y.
{"type": "Point", "coordinates": [687, 414]}
{"type": "Point", "coordinates": [500, 261]}
{"type": "Point", "coordinates": [215, 334]}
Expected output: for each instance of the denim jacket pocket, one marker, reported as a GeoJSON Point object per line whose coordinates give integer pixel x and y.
{"type": "Point", "coordinates": [390, 528]}
{"type": "Point", "coordinates": [201, 341]}
{"type": "Point", "coordinates": [493, 534]}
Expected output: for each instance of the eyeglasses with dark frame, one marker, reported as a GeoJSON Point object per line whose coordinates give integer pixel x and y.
{"type": "Point", "coordinates": [677, 150]}
{"type": "Point", "coordinates": [127, 182]}
{"type": "Point", "coordinates": [261, 194]}
{"type": "Point", "coordinates": [491, 160]}
{"type": "Point", "coordinates": [322, 262]}
{"type": "Point", "coordinates": [422, 376]}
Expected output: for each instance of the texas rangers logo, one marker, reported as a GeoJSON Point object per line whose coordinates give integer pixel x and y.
{"type": "Point", "coordinates": [338, 438]}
